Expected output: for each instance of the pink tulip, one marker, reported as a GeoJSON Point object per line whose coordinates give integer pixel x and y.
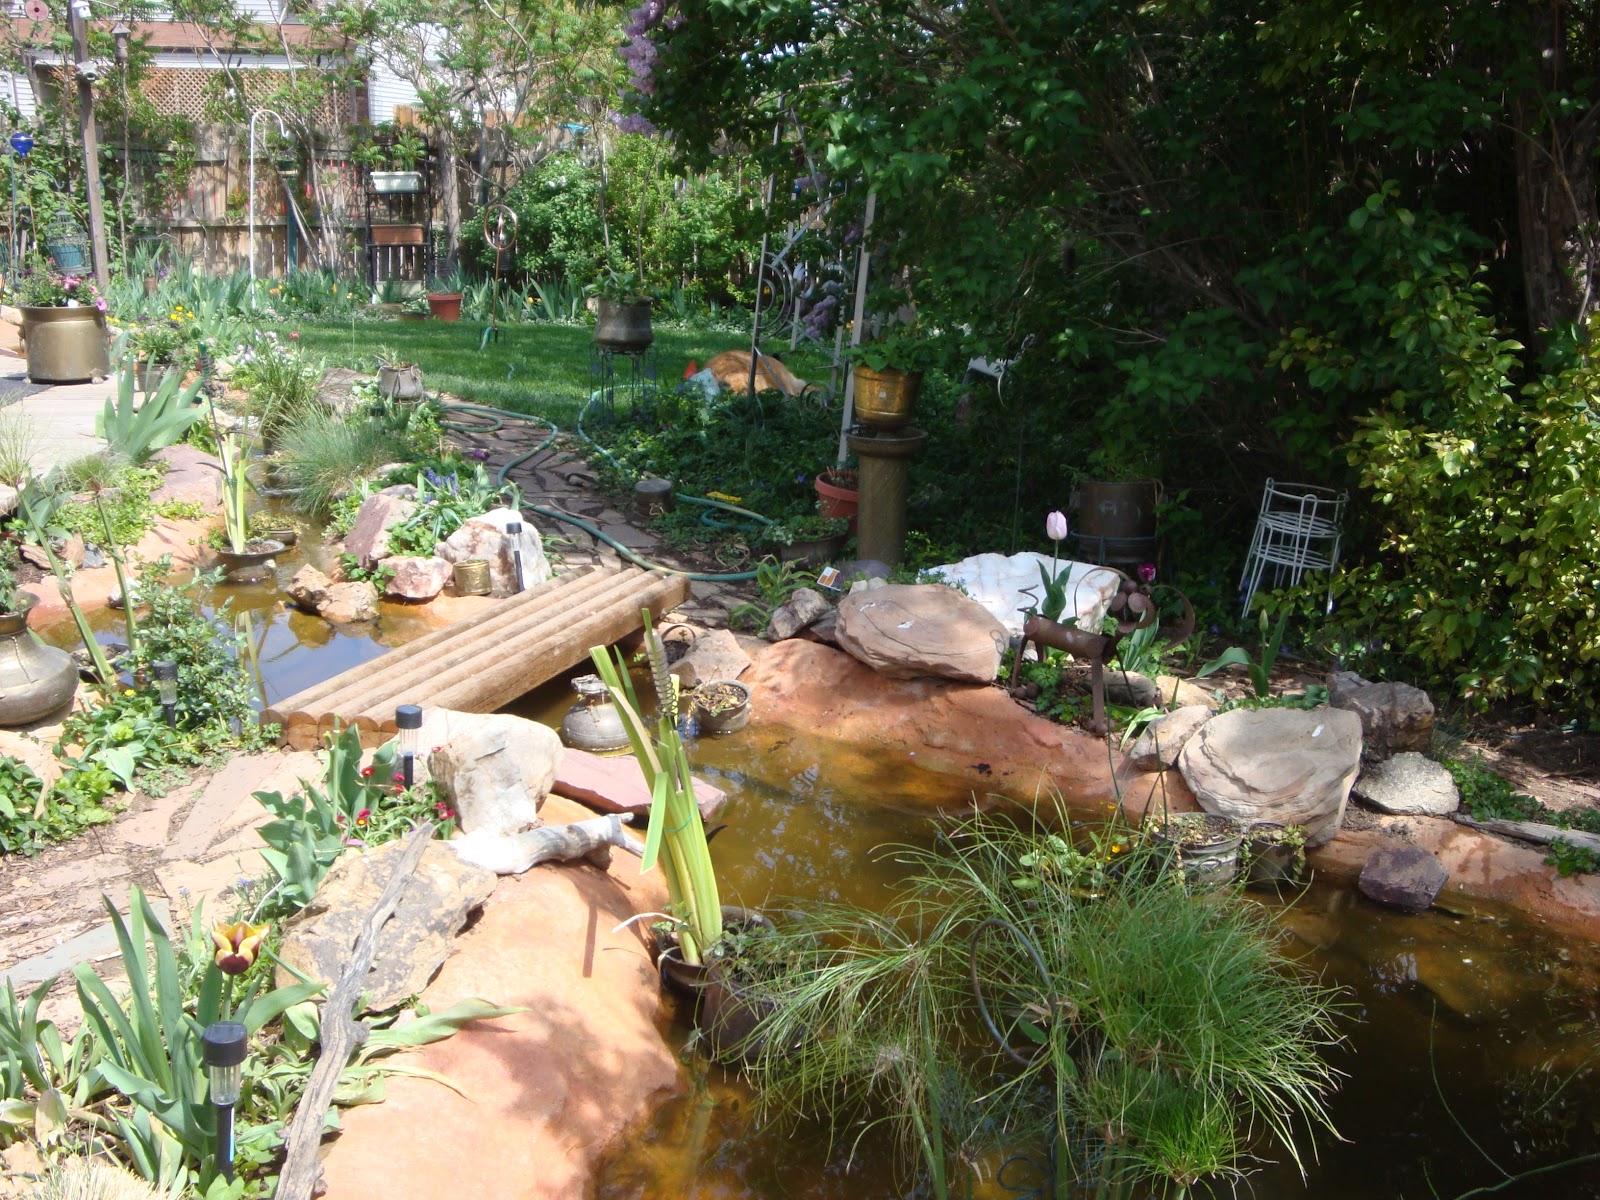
{"type": "Point", "coordinates": [1147, 572]}
{"type": "Point", "coordinates": [1055, 526]}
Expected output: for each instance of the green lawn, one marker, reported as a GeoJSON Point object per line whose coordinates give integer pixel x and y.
{"type": "Point", "coordinates": [533, 368]}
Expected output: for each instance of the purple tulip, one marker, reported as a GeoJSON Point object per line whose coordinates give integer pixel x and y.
{"type": "Point", "coordinates": [1147, 572]}
{"type": "Point", "coordinates": [1055, 526]}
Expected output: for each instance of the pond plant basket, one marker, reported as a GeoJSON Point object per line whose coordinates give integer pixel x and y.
{"type": "Point", "coordinates": [1204, 844]}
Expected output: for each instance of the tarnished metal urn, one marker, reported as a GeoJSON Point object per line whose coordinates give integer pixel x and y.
{"type": "Point", "coordinates": [593, 723]}
{"type": "Point", "coordinates": [65, 345]}
{"type": "Point", "coordinates": [35, 680]}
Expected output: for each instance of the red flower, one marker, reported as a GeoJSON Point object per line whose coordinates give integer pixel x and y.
{"type": "Point", "coordinates": [339, 819]}
{"type": "Point", "coordinates": [363, 816]}
{"type": "Point", "coordinates": [366, 772]}
{"type": "Point", "coordinates": [397, 777]}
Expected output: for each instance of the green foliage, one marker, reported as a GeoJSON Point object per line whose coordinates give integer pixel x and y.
{"type": "Point", "coordinates": [119, 490]}
{"type": "Point", "coordinates": [1486, 796]}
{"type": "Point", "coordinates": [30, 819]}
{"type": "Point", "coordinates": [1569, 858]}
{"type": "Point", "coordinates": [323, 452]}
{"type": "Point", "coordinates": [775, 583]}
{"type": "Point", "coordinates": [444, 503]}
{"type": "Point", "coordinates": [677, 833]}
{"type": "Point", "coordinates": [354, 806]}
{"type": "Point", "coordinates": [1127, 1003]}
{"type": "Point", "coordinates": [1237, 656]}
{"type": "Point", "coordinates": [161, 418]}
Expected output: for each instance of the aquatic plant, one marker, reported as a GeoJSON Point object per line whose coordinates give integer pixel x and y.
{"type": "Point", "coordinates": [1025, 990]}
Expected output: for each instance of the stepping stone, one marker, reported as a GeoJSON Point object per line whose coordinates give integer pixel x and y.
{"type": "Point", "coordinates": [98, 943]}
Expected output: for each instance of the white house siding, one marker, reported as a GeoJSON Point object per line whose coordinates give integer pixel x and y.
{"type": "Point", "coordinates": [386, 91]}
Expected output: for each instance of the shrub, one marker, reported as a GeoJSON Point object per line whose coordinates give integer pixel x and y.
{"type": "Point", "coordinates": [323, 452]}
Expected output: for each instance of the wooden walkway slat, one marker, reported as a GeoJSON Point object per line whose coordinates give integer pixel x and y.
{"type": "Point", "coordinates": [485, 662]}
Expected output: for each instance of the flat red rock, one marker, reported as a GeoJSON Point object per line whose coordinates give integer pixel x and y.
{"type": "Point", "coordinates": [611, 785]}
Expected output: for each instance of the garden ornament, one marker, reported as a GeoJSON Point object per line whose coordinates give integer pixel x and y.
{"type": "Point", "coordinates": [1131, 607]}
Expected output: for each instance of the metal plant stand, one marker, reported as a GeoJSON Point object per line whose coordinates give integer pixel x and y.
{"type": "Point", "coordinates": [1298, 530]}
{"type": "Point", "coordinates": [630, 372]}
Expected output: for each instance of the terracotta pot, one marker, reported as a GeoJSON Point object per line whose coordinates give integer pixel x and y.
{"type": "Point", "coordinates": [836, 497]}
{"type": "Point", "coordinates": [65, 345]}
{"type": "Point", "coordinates": [398, 235]}
{"type": "Point", "coordinates": [814, 553]}
{"type": "Point", "coordinates": [445, 306]}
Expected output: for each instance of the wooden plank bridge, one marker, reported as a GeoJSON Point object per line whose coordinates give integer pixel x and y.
{"type": "Point", "coordinates": [485, 662]}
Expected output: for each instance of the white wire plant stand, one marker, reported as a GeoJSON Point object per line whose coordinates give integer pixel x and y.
{"type": "Point", "coordinates": [1298, 530]}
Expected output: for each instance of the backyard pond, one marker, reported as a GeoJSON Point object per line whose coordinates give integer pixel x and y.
{"type": "Point", "coordinates": [1465, 1030]}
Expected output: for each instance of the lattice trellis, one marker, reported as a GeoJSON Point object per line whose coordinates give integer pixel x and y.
{"type": "Point", "coordinates": [182, 91]}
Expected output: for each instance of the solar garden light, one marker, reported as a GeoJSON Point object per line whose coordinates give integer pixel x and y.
{"type": "Point", "coordinates": [514, 532]}
{"type": "Point", "coordinates": [408, 720]}
{"type": "Point", "coordinates": [224, 1045]}
{"type": "Point", "coordinates": [167, 688]}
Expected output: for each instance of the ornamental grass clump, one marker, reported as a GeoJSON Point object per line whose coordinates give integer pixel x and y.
{"type": "Point", "coordinates": [677, 834]}
{"type": "Point", "coordinates": [1028, 992]}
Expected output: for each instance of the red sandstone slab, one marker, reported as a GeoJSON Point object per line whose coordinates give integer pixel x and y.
{"type": "Point", "coordinates": [611, 785]}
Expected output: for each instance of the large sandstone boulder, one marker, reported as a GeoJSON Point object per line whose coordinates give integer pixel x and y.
{"type": "Point", "coordinates": [1409, 783]}
{"type": "Point", "coordinates": [192, 475]}
{"type": "Point", "coordinates": [309, 589]}
{"type": "Point", "coordinates": [416, 578]}
{"type": "Point", "coordinates": [413, 942]}
{"type": "Point", "coordinates": [380, 512]}
{"type": "Point", "coordinates": [1276, 764]}
{"type": "Point", "coordinates": [909, 630]}
{"type": "Point", "coordinates": [1395, 717]}
{"type": "Point", "coordinates": [496, 770]}
{"type": "Point", "coordinates": [485, 537]}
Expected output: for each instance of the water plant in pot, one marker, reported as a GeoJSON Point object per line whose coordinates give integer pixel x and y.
{"type": "Point", "coordinates": [444, 297]}
{"type": "Point", "coordinates": [722, 705]}
{"type": "Point", "coordinates": [622, 312]}
{"type": "Point", "coordinates": [1273, 853]}
{"type": "Point", "coordinates": [63, 326]}
{"type": "Point", "coordinates": [244, 557]}
{"type": "Point", "coordinates": [1206, 845]}
{"type": "Point", "coordinates": [156, 349]}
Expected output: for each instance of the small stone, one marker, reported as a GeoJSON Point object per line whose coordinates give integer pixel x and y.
{"type": "Point", "coordinates": [485, 537]}
{"type": "Point", "coordinates": [826, 629]}
{"type": "Point", "coordinates": [416, 578]}
{"type": "Point", "coordinates": [348, 603]}
{"type": "Point", "coordinates": [1157, 748]}
{"type": "Point", "coordinates": [1394, 717]}
{"type": "Point", "coordinates": [715, 654]}
{"type": "Point", "coordinates": [1342, 683]}
{"type": "Point", "coordinates": [309, 588]}
{"type": "Point", "coordinates": [1404, 877]}
{"type": "Point", "coordinates": [1184, 693]}
{"type": "Point", "coordinates": [803, 609]}
{"type": "Point", "coordinates": [496, 769]}
{"type": "Point", "coordinates": [413, 942]}
{"type": "Point", "coordinates": [1131, 689]}
{"type": "Point", "coordinates": [93, 558]}
{"type": "Point", "coordinates": [1409, 783]}
{"type": "Point", "coordinates": [368, 538]}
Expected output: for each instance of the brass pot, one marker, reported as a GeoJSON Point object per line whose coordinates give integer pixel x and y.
{"type": "Point", "coordinates": [65, 345]}
{"type": "Point", "coordinates": [884, 399]}
{"type": "Point", "coordinates": [472, 577]}
{"type": "Point", "coordinates": [35, 679]}
{"type": "Point", "coordinates": [593, 723]}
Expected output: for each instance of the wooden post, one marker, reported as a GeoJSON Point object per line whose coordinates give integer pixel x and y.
{"type": "Point", "coordinates": [91, 146]}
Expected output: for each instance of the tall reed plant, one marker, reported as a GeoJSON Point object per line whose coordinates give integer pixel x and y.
{"type": "Point", "coordinates": [676, 838]}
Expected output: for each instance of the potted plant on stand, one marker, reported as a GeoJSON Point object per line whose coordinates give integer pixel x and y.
{"type": "Point", "coordinates": [622, 313]}
{"type": "Point", "coordinates": [888, 376]}
{"type": "Point", "coordinates": [444, 298]}
{"type": "Point", "coordinates": [63, 326]}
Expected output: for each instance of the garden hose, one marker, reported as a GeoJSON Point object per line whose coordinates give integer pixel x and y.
{"type": "Point", "coordinates": [498, 416]}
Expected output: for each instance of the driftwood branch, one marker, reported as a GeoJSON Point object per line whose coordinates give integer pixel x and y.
{"type": "Point", "coordinates": [514, 853]}
{"type": "Point", "coordinates": [341, 1033]}
{"type": "Point", "coordinates": [1532, 831]}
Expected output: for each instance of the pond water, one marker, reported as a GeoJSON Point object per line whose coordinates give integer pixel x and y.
{"type": "Point", "coordinates": [1464, 1028]}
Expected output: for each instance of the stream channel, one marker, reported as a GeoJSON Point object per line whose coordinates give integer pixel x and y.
{"type": "Point", "coordinates": [1471, 1036]}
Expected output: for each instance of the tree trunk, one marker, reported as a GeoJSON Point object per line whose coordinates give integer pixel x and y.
{"type": "Point", "coordinates": [1558, 217]}
{"type": "Point", "coordinates": [450, 198]}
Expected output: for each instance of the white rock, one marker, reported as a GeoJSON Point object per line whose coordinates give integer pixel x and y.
{"type": "Point", "coordinates": [1409, 783]}
{"type": "Point", "coordinates": [496, 769]}
{"type": "Point", "coordinates": [996, 581]}
{"type": "Point", "coordinates": [485, 537]}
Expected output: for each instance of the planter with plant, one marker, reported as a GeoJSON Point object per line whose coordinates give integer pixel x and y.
{"type": "Point", "coordinates": [622, 313]}
{"type": "Point", "coordinates": [812, 540]}
{"type": "Point", "coordinates": [722, 705]}
{"type": "Point", "coordinates": [63, 327]}
{"type": "Point", "coordinates": [157, 349]}
{"type": "Point", "coordinates": [444, 297]}
{"type": "Point", "coordinates": [244, 558]}
{"type": "Point", "coordinates": [398, 379]}
{"type": "Point", "coordinates": [1273, 854]}
{"type": "Point", "coordinates": [838, 494]}
{"type": "Point", "coordinates": [888, 376]}
{"type": "Point", "coordinates": [416, 309]}
{"type": "Point", "coordinates": [1205, 844]}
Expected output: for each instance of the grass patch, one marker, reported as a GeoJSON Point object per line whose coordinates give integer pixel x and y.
{"type": "Point", "coordinates": [540, 369]}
